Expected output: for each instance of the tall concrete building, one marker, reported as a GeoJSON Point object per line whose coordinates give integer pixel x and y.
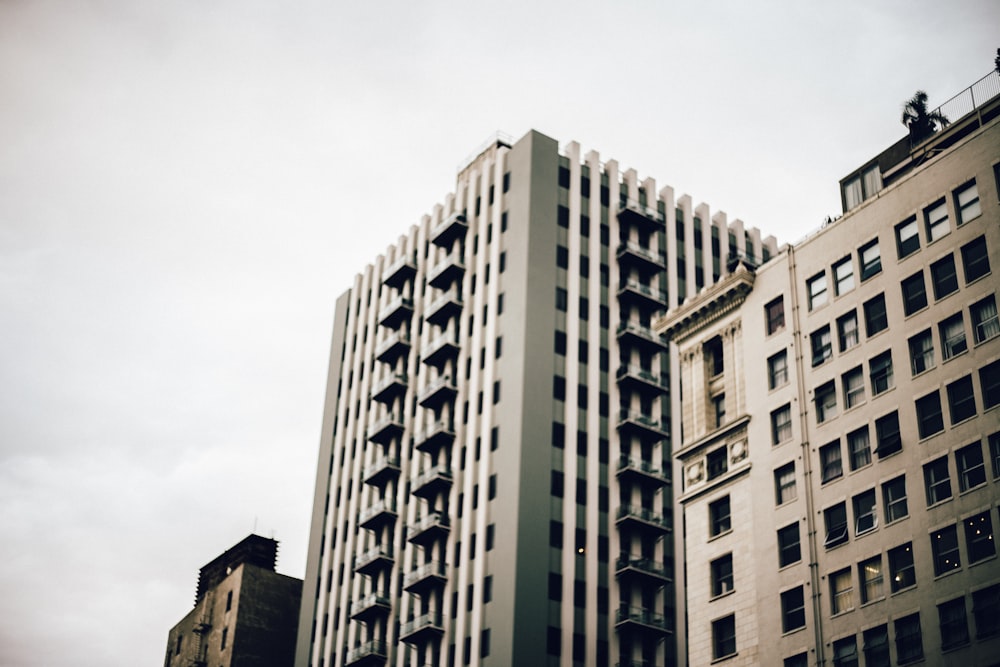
{"type": "Point", "coordinates": [494, 482]}
{"type": "Point", "coordinates": [837, 449]}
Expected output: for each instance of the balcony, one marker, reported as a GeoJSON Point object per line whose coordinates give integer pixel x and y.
{"type": "Point", "coordinates": [399, 272]}
{"type": "Point", "coordinates": [393, 347]}
{"type": "Point", "coordinates": [373, 561]}
{"type": "Point", "coordinates": [426, 577]}
{"type": "Point", "coordinates": [396, 312]}
{"type": "Point", "coordinates": [437, 435]}
{"type": "Point", "coordinates": [645, 569]}
{"type": "Point", "coordinates": [643, 296]}
{"type": "Point", "coordinates": [429, 528]}
{"type": "Point", "coordinates": [641, 424]}
{"type": "Point", "coordinates": [641, 619]}
{"type": "Point", "coordinates": [441, 389]}
{"type": "Point", "coordinates": [431, 482]}
{"type": "Point", "coordinates": [642, 380]}
{"type": "Point", "coordinates": [643, 518]}
{"type": "Point", "coordinates": [641, 336]}
{"type": "Point", "coordinates": [381, 471]}
{"type": "Point", "coordinates": [447, 271]}
{"type": "Point", "coordinates": [389, 388]}
{"type": "Point", "coordinates": [440, 350]}
{"type": "Point", "coordinates": [386, 429]}
{"type": "Point", "coordinates": [368, 654]}
{"type": "Point", "coordinates": [645, 217]}
{"type": "Point", "coordinates": [443, 308]}
{"type": "Point", "coordinates": [641, 471]}
{"type": "Point", "coordinates": [422, 628]}
{"type": "Point", "coordinates": [378, 515]}
{"type": "Point", "coordinates": [449, 229]}
{"type": "Point", "coordinates": [644, 260]}
{"type": "Point", "coordinates": [371, 607]}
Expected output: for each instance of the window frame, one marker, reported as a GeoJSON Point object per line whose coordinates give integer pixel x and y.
{"type": "Point", "coordinates": [977, 536]}
{"type": "Point", "coordinates": [853, 386]}
{"type": "Point", "coordinates": [892, 499]}
{"type": "Point", "coordinates": [876, 317]}
{"type": "Point", "coordinates": [838, 530]}
{"type": "Point", "coordinates": [846, 337]}
{"type": "Point", "coordinates": [859, 448]}
{"type": "Point", "coordinates": [936, 223]}
{"type": "Point", "coordinates": [909, 639]}
{"type": "Point", "coordinates": [944, 277]}
{"type": "Point", "coordinates": [902, 574]}
{"type": "Point", "coordinates": [871, 578]}
{"type": "Point", "coordinates": [907, 235]}
{"type": "Point", "coordinates": [793, 610]}
{"type": "Point", "coordinates": [781, 431]}
{"type": "Point", "coordinates": [945, 552]}
{"type": "Point", "coordinates": [831, 462]}
{"type": "Point", "coordinates": [825, 401]}
{"type": "Point", "coordinates": [989, 384]}
{"type": "Point", "coordinates": [961, 399]}
{"type": "Point", "coordinates": [985, 325]}
{"type": "Point", "coordinates": [821, 345]}
{"type": "Point", "coordinates": [724, 637]}
{"type": "Point", "coordinates": [774, 315]}
{"type": "Point", "coordinates": [880, 373]}
{"type": "Point", "coordinates": [843, 282]}
{"type": "Point", "coordinates": [721, 573]}
{"type": "Point", "coordinates": [975, 266]}
{"type": "Point", "coordinates": [972, 204]}
{"type": "Point", "coordinates": [785, 489]}
{"type": "Point", "coordinates": [777, 373]}
{"type": "Point", "coordinates": [922, 357]}
{"type": "Point", "coordinates": [913, 290]}
{"type": "Point", "coordinates": [953, 626]}
{"type": "Point", "coordinates": [718, 523]}
{"type": "Point", "coordinates": [937, 481]}
{"type": "Point", "coordinates": [870, 266]}
{"type": "Point", "coordinates": [865, 521]}
{"type": "Point", "coordinates": [789, 551]}
{"type": "Point", "coordinates": [888, 442]}
{"type": "Point", "coordinates": [954, 342]}
{"type": "Point", "coordinates": [841, 591]}
{"type": "Point", "coordinates": [930, 417]}
{"type": "Point", "coordinates": [817, 290]}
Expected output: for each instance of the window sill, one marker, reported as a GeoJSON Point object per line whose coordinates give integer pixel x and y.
{"type": "Point", "coordinates": [985, 340]}
{"type": "Point", "coordinates": [943, 575]}
{"type": "Point", "coordinates": [895, 521]}
{"type": "Point", "coordinates": [903, 590]}
{"type": "Point", "coordinates": [939, 503]}
{"type": "Point", "coordinates": [720, 596]}
{"type": "Point", "coordinates": [984, 560]}
{"type": "Point", "coordinates": [945, 360]}
{"type": "Point", "coordinates": [931, 436]}
{"type": "Point", "coordinates": [843, 612]}
{"type": "Point", "coordinates": [724, 658]}
{"type": "Point", "coordinates": [978, 278]}
{"type": "Point", "coordinates": [718, 536]}
{"type": "Point", "coordinates": [954, 647]}
{"type": "Point", "coordinates": [793, 631]}
{"type": "Point", "coordinates": [923, 372]}
{"type": "Point", "coordinates": [883, 392]}
{"type": "Point", "coordinates": [869, 603]}
{"type": "Point", "coordinates": [972, 489]}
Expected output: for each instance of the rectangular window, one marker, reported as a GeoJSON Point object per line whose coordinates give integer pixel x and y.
{"type": "Point", "coordinates": [845, 652]}
{"type": "Point", "coordinates": [816, 287]}
{"type": "Point", "coordinates": [777, 370]}
{"type": "Point", "coordinates": [870, 578]}
{"type": "Point", "coordinates": [789, 550]}
{"type": "Point", "coordinates": [775, 315]}
{"type": "Point", "coordinates": [909, 642]}
{"type": "Point", "coordinates": [937, 482]}
{"type": "Point", "coordinates": [894, 499]}
{"type": "Point", "coordinates": [841, 591]}
{"type": "Point", "coordinates": [989, 383]}
{"type": "Point", "coordinates": [986, 611]}
{"type": "Point", "coordinates": [921, 352]}
{"type": "Point", "coordinates": [953, 623]}
{"type": "Point", "coordinates": [719, 517]}
{"type": "Point", "coordinates": [826, 402]}
{"type": "Point", "coordinates": [865, 512]}
{"type": "Point", "coordinates": [944, 546]}
{"type": "Point", "coordinates": [967, 203]}
{"type": "Point", "coordinates": [985, 324]}
{"type": "Point", "coordinates": [907, 237]}
{"type": "Point", "coordinates": [717, 462]}
{"type": "Point", "coordinates": [936, 219]}
{"type": "Point", "coordinates": [870, 259]}
{"type": "Point", "coordinates": [843, 275]}
{"type": "Point", "coordinates": [929, 418]}
{"type": "Point", "coordinates": [859, 448]}
{"type": "Point", "coordinates": [901, 572]}
{"type": "Point", "coordinates": [724, 637]}
{"type": "Point", "coordinates": [830, 461]}
{"type": "Point", "coordinates": [722, 575]}
{"type": "Point", "coordinates": [847, 330]}
{"type": "Point", "coordinates": [979, 542]}
{"type": "Point", "coordinates": [887, 433]}
{"type": "Point", "coordinates": [822, 346]}
{"type": "Point", "coordinates": [914, 293]}
{"type": "Point", "coordinates": [835, 521]}
{"type": "Point", "coordinates": [876, 646]}
{"type": "Point", "coordinates": [781, 425]}
{"type": "Point", "coordinates": [875, 317]}
{"type": "Point", "coordinates": [994, 444]}
{"type": "Point", "coordinates": [799, 660]}
{"type": "Point", "coordinates": [880, 372]}
{"type": "Point", "coordinates": [961, 400]}
{"type": "Point", "coordinates": [784, 483]}
{"type": "Point", "coordinates": [975, 259]}
{"type": "Point", "coordinates": [943, 277]}
{"type": "Point", "coordinates": [793, 609]}
{"type": "Point", "coordinates": [853, 382]}
{"type": "Point", "coordinates": [719, 407]}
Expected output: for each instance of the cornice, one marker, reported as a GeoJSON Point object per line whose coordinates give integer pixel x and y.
{"type": "Point", "coordinates": [718, 300]}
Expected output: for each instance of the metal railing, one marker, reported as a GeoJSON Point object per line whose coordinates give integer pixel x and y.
{"type": "Point", "coordinates": [379, 507]}
{"type": "Point", "coordinates": [427, 620]}
{"type": "Point", "coordinates": [373, 554]}
{"type": "Point", "coordinates": [374, 647]}
{"type": "Point", "coordinates": [659, 379]}
{"type": "Point", "coordinates": [653, 256]}
{"type": "Point", "coordinates": [643, 514]}
{"type": "Point", "coordinates": [627, 462]}
{"type": "Point", "coordinates": [641, 563]}
{"type": "Point", "coordinates": [645, 290]}
{"type": "Point", "coordinates": [381, 464]}
{"type": "Point", "coordinates": [972, 98]}
{"type": "Point", "coordinates": [425, 570]}
{"type": "Point", "coordinates": [650, 212]}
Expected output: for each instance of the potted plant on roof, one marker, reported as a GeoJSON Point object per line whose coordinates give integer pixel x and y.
{"type": "Point", "coordinates": [921, 122]}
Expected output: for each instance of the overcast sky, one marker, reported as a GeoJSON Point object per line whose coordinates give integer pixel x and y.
{"type": "Point", "coordinates": [186, 187]}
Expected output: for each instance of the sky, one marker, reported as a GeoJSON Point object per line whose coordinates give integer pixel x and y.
{"type": "Point", "coordinates": [187, 186]}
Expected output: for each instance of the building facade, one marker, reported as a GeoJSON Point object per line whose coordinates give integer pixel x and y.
{"type": "Point", "coordinates": [494, 481]}
{"type": "Point", "coordinates": [245, 614]}
{"type": "Point", "coordinates": [838, 446]}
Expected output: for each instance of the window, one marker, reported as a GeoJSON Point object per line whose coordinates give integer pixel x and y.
{"type": "Point", "coordinates": [847, 330]}
{"type": "Point", "coordinates": [722, 575]}
{"type": "Point", "coordinates": [853, 194]}
{"type": "Point", "coordinates": [719, 407]}
{"type": "Point", "coordinates": [822, 347]}
{"type": "Point", "coordinates": [724, 637]}
{"type": "Point", "coordinates": [979, 543]}
{"type": "Point", "coordinates": [225, 637]}
{"type": "Point", "coordinates": [714, 356]}
{"type": "Point", "coordinates": [936, 219]}
{"type": "Point", "coordinates": [985, 324]}
{"type": "Point", "coordinates": [835, 520]}
{"type": "Point", "coordinates": [952, 332]}
{"type": "Point", "coordinates": [994, 442]}
{"type": "Point", "coordinates": [967, 203]}
{"type": "Point", "coordinates": [816, 286]}
{"type": "Point", "coordinates": [870, 259]}
{"type": "Point", "coordinates": [843, 275]}
{"type": "Point", "coordinates": [961, 400]}
{"type": "Point", "coordinates": [829, 461]}
{"type": "Point", "coordinates": [986, 611]}
{"type": "Point", "coordinates": [943, 277]}
{"type": "Point", "coordinates": [894, 499]}
{"type": "Point", "coordinates": [901, 573]}
{"type": "Point", "coordinates": [845, 652]}
{"type": "Point", "coordinates": [929, 419]}
{"type": "Point", "coordinates": [775, 315]}
{"type": "Point", "coordinates": [800, 660]}
{"type": "Point", "coordinates": [870, 578]}
{"type": "Point", "coordinates": [975, 259]}
{"type": "Point", "coordinates": [777, 370]}
{"type": "Point", "coordinates": [880, 372]}
{"type": "Point", "coordinates": [784, 483]}
{"type": "Point", "coordinates": [561, 299]}
{"type": "Point", "coordinates": [944, 546]}
{"type": "Point", "coordinates": [887, 432]}
{"type": "Point", "coordinates": [789, 550]}
{"type": "Point", "coordinates": [875, 317]}
{"type": "Point", "coordinates": [921, 352]}
{"type": "Point", "coordinates": [989, 381]}
{"type": "Point", "coordinates": [781, 425]}
{"type": "Point", "coordinates": [876, 646]}
{"type": "Point", "coordinates": [937, 481]}
{"type": "Point", "coordinates": [954, 624]}
{"type": "Point", "coordinates": [907, 237]}
{"type": "Point", "coordinates": [826, 402]}
{"type": "Point", "coordinates": [717, 462]}
{"type": "Point", "coordinates": [914, 293]}
{"type": "Point", "coordinates": [859, 448]}
{"type": "Point", "coordinates": [229, 601]}
{"type": "Point", "coordinates": [841, 591]}
{"type": "Point", "coordinates": [793, 610]}
{"type": "Point", "coordinates": [865, 512]}
{"type": "Point", "coordinates": [718, 517]}
{"type": "Point", "coordinates": [909, 643]}
{"type": "Point", "coordinates": [853, 382]}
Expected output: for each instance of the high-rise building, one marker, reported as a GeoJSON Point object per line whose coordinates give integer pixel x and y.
{"type": "Point", "coordinates": [494, 480]}
{"type": "Point", "coordinates": [842, 507]}
{"type": "Point", "coordinates": [245, 614]}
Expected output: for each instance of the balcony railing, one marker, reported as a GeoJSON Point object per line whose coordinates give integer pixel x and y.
{"type": "Point", "coordinates": [401, 270]}
{"type": "Point", "coordinates": [642, 421]}
{"type": "Point", "coordinates": [372, 649]}
{"type": "Point", "coordinates": [448, 269]}
{"type": "Point", "coordinates": [377, 513]}
{"type": "Point", "coordinates": [628, 464]}
{"type": "Point", "coordinates": [386, 428]}
{"type": "Point", "coordinates": [645, 617]}
{"type": "Point", "coordinates": [371, 605]}
{"type": "Point", "coordinates": [394, 312]}
{"type": "Point", "coordinates": [435, 436]}
{"type": "Point", "coordinates": [390, 386]}
{"type": "Point", "coordinates": [643, 515]}
{"type": "Point", "coordinates": [428, 571]}
{"type": "Point", "coordinates": [428, 623]}
{"type": "Point", "coordinates": [653, 258]}
{"type": "Point", "coordinates": [437, 391]}
{"type": "Point", "coordinates": [449, 229]}
{"type": "Point", "coordinates": [427, 482]}
{"type": "Point", "coordinates": [444, 308]}
{"type": "Point", "coordinates": [385, 468]}
{"type": "Point", "coordinates": [643, 565]}
{"type": "Point", "coordinates": [656, 380]}
{"type": "Point", "coordinates": [650, 294]}
{"type": "Point", "coordinates": [394, 345]}
{"type": "Point", "coordinates": [427, 527]}
{"type": "Point", "coordinates": [640, 331]}
{"type": "Point", "coordinates": [632, 208]}
{"type": "Point", "coordinates": [374, 558]}
{"type": "Point", "coordinates": [440, 349]}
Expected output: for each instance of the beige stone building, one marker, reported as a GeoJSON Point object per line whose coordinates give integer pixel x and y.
{"type": "Point", "coordinates": [837, 454]}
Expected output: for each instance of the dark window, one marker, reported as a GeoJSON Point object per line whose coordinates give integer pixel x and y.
{"type": "Point", "coordinates": [985, 324]}
{"type": "Point", "coordinates": [717, 462]}
{"type": "Point", "coordinates": [847, 330]}
{"type": "Point", "coordinates": [875, 316]}
{"type": "Point", "coordinates": [929, 418]}
{"type": "Point", "coordinates": [784, 483]}
{"type": "Point", "coordinates": [870, 259]}
{"type": "Point", "coordinates": [722, 575]}
{"type": "Point", "coordinates": [719, 516]}
{"type": "Point", "coordinates": [914, 293]}
{"type": "Point", "coordinates": [943, 277]}
{"type": "Point", "coordinates": [835, 522]}
{"type": "Point", "coordinates": [822, 345]}
{"type": "Point", "coordinates": [952, 332]}
{"type": "Point", "coordinates": [961, 401]}
{"type": "Point", "coordinates": [989, 382]}
{"type": "Point", "coordinates": [724, 637]}
{"type": "Point", "coordinates": [859, 448]}
{"type": "Point", "coordinates": [979, 542]}
{"type": "Point", "coordinates": [817, 289]}
{"type": "Point", "coordinates": [937, 482]}
{"type": "Point", "coordinates": [894, 499]}
{"type": "Point", "coordinates": [921, 352]}
{"type": "Point", "coordinates": [800, 660]}
{"type": "Point", "coordinates": [944, 546]}
{"type": "Point", "coordinates": [876, 646]}
{"type": "Point", "coordinates": [775, 315]}
{"type": "Point", "coordinates": [777, 370]}
{"type": "Point", "coordinates": [562, 257]}
{"type": "Point", "coordinates": [975, 259]}
{"type": "Point", "coordinates": [907, 237]}
{"type": "Point", "coordinates": [853, 383]}
{"type": "Point", "coordinates": [936, 219]}
{"type": "Point", "coordinates": [986, 608]}
{"type": "Point", "coordinates": [826, 402]}
{"type": "Point", "coordinates": [909, 642]}
{"type": "Point", "coordinates": [953, 623]}
{"type": "Point", "coordinates": [865, 512]}
{"type": "Point", "coordinates": [901, 572]}
{"type": "Point", "coordinates": [880, 372]}
{"type": "Point", "coordinates": [561, 299]}
{"type": "Point", "coordinates": [830, 461]}
{"type": "Point", "coordinates": [845, 652]}
{"type": "Point", "coordinates": [781, 425]}
{"type": "Point", "coordinates": [789, 550]}
{"type": "Point", "coordinates": [793, 609]}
